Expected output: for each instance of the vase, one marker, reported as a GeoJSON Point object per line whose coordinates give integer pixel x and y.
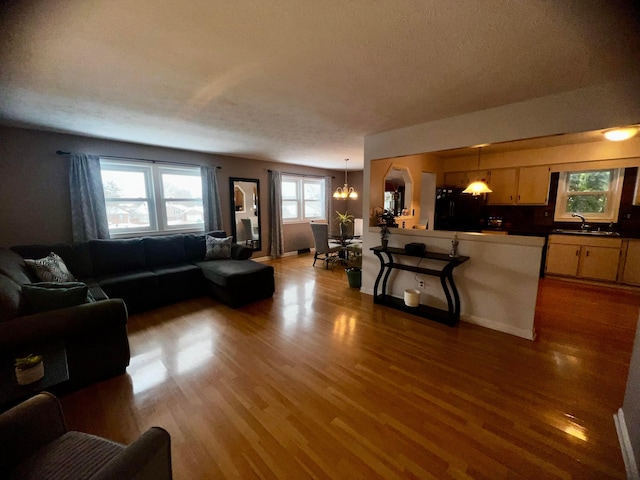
{"type": "Point", "coordinates": [385, 243]}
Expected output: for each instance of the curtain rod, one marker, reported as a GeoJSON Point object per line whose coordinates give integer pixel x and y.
{"type": "Point", "coordinates": [302, 174]}
{"type": "Point", "coordinates": [60, 152]}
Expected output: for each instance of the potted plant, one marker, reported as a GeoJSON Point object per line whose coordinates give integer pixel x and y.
{"type": "Point", "coordinates": [354, 266]}
{"type": "Point", "coordinates": [343, 220]}
{"type": "Point", "coordinates": [29, 369]}
{"type": "Point", "coordinates": [386, 221]}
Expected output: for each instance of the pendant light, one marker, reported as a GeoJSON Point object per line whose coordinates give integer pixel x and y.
{"type": "Point", "coordinates": [479, 186]}
{"type": "Point", "coordinates": [345, 191]}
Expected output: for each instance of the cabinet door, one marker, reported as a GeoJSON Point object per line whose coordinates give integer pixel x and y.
{"type": "Point", "coordinates": [503, 184]}
{"type": "Point", "coordinates": [563, 259]}
{"type": "Point", "coordinates": [456, 179]}
{"type": "Point", "coordinates": [631, 272]}
{"type": "Point", "coordinates": [599, 263]}
{"type": "Point", "coordinates": [533, 186]}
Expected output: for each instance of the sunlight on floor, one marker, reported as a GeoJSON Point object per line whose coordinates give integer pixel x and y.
{"type": "Point", "coordinates": [196, 347]}
{"type": "Point", "coordinates": [147, 370]}
{"type": "Point", "coordinates": [298, 299]}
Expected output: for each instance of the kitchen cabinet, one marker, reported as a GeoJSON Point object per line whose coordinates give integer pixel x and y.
{"type": "Point", "coordinates": [631, 270]}
{"type": "Point", "coordinates": [593, 258]}
{"type": "Point", "coordinates": [503, 183]}
{"type": "Point", "coordinates": [519, 186]}
{"type": "Point", "coordinates": [456, 179]}
{"type": "Point", "coordinates": [533, 186]}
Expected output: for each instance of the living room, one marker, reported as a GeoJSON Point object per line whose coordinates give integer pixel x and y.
{"type": "Point", "coordinates": [318, 381]}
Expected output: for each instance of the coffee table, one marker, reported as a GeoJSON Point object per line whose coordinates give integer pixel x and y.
{"type": "Point", "coordinates": [56, 372]}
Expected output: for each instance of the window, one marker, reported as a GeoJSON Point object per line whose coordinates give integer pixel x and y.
{"type": "Point", "coordinates": [143, 197]}
{"type": "Point", "coordinates": [595, 194]}
{"type": "Point", "coordinates": [303, 199]}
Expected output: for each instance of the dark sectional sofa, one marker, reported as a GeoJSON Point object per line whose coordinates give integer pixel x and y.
{"type": "Point", "coordinates": [122, 275]}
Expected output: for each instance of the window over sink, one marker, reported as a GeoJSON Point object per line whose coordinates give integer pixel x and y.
{"type": "Point", "coordinates": [594, 194]}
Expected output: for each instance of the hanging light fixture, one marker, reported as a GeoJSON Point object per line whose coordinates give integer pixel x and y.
{"type": "Point", "coordinates": [479, 186]}
{"type": "Point", "coordinates": [345, 191]}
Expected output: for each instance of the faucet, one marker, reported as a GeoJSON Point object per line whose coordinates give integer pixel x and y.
{"type": "Point", "coordinates": [584, 225]}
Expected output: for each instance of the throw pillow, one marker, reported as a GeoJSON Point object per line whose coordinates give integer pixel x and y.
{"type": "Point", "coordinates": [50, 269]}
{"type": "Point", "coordinates": [45, 296]}
{"type": "Point", "coordinates": [218, 248]}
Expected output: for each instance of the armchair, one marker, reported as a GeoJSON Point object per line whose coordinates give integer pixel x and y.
{"type": "Point", "coordinates": [37, 445]}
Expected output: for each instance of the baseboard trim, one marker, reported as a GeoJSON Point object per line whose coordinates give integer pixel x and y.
{"type": "Point", "coordinates": [625, 446]}
{"type": "Point", "coordinates": [500, 327]}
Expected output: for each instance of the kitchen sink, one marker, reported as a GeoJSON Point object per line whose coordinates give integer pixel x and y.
{"type": "Point", "coordinates": [596, 233]}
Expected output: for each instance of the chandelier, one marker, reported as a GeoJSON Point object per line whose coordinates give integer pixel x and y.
{"type": "Point", "coordinates": [345, 191]}
{"type": "Point", "coordinates": [479, 186]}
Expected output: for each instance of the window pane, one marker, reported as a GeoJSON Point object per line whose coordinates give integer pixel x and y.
{"type": "Point", "coordinates": [586, 203]}
{"type": "Point", "coordinates": [594, 181]}
{"type": "Point", "coordinates": [289, 190]}
{"type": "Point", "coordinates": [124, 184]}
{"type": "Point", "coordinates": [184, 212]}
{"type": "Point", "coordinates": [289, 210]}
{"type": "Point", "coordinates": [127, 214]}
{"type": "Point", "coordinates": [312, 191]}
{"type": "Point", "coordinates": [181, 186]}
{"type": "Point", "coordinates": [312, 209]}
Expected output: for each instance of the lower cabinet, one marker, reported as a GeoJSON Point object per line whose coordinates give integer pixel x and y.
{"type": "Point", "coordinates": [631, 270]}
{"type": "Point", "coordinates": [584, 257]}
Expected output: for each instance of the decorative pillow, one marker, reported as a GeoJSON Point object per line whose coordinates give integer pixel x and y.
{"type": "Point", "coordinates": [218, 248]}
{"type": "Point", "coordinates": [50, 269]}
{"type": "Point", "coordinates": [45, 296]}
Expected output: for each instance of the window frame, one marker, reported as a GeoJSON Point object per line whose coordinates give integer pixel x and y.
{"type": "Point", "coordinates": [613, 194]}
{"type": "Point", "coordinates": [301, 201]}
{"type": "Point", "coordinates": [156, 201]}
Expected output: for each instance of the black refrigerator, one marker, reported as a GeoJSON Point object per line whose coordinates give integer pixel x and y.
{"type": "Point", "coordinates": [458, 211]}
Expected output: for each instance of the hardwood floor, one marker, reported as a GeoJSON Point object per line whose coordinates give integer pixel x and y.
{"type": "Point", "coordinates": [320, 383]}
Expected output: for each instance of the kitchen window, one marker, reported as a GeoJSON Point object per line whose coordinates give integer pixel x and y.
{"type": "Point", "coordinates": [303, 199]}
{"type": "Point", "coordinates": [143, 198]}
{"type": "Point", "coordinates": [594, 194]}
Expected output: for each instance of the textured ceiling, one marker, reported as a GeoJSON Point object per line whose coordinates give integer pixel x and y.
{"type": "Point", "coordinates": [296, 81]}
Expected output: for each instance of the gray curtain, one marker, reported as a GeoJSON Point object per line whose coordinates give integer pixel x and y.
{"type": "Point", "coordinates": [328, 195]}
{"type": "Point", "coordinates": [211, 199]}
{"type": "Point", "coordinates": [88, 209]}
{"type": "Point", "coordinates": [276, 239]}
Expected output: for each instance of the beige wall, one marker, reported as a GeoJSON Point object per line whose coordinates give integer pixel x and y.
{"type": "Point", "coordinates": [34, 193]}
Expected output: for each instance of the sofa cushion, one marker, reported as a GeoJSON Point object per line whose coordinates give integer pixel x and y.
{"type": "Point", "coordinates": [232, 272]}
{"type": "Point", "coordinates": [45, 296]}
{"type": "Point", "coordinates": [54, 461]}
{"type": "Point", "coordinates": [178, 275]}
{"type": "Point", "coordinates": [114, 256]}
{"type": "Point", "coordinates": [76, 256]}
{"type": "Point", "coordinates": [218, 248]}
{"type": "Point", "coordinates": [117, 284]}
{"type": "Point", "coordinates": [12, 266]}
{"type": "Point", "coordinates": [164, 250]}
{"type": "Point", "coordinates": [194, 246]}
{"type": "Point", "coordinates": [50, 269]}
{"type": "Point", "coordinates": [10, 299]}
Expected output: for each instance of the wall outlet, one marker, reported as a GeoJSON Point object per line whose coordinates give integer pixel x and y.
{"type": "Point", "coordinates": [421, 283]}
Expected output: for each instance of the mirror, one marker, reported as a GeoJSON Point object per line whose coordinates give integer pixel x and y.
{"type": "Point", "coordinates": [245, 211]}
{"type": "Point", "coordinates": [398, 191]}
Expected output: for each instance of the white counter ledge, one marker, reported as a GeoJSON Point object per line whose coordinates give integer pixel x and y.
{"type": "Point", "coordinates": [498, 286]}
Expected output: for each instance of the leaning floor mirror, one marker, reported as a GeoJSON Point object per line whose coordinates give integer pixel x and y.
{"type": "Point", "coordinates": [245, 211]}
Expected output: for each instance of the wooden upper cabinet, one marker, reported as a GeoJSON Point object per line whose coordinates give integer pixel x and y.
{"type": "Point", "coordinates": [503, 183]}
{"type": "Point", "coordinates": [533, 186]}
{"type": "Point", "coordinates": [457, 179]}
{"type": "Point", "coordinates": [519, 186]}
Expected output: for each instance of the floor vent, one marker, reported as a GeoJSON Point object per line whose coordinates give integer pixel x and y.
{"type": "Point", "coordinates": [304, 250]}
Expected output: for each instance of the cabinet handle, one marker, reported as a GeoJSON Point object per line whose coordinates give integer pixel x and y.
{"type": "Point", "coordinates": [577, 252]}
{"type": "Point", "coordinates": [587, 253]}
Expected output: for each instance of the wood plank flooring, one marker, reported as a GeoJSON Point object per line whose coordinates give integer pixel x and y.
{"type": "Point", "coordinates": [319, 383]}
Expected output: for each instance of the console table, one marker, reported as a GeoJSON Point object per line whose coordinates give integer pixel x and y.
{"type": "Point", "coordinates": [451, 315]}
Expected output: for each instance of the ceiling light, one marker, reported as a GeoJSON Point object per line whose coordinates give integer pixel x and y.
{"type": "Point", "coordinates": [479, 186]}
{"type": "Point", "coordinates": [622, 133]}
{"type": "Point", "coordinates": [345, 191]}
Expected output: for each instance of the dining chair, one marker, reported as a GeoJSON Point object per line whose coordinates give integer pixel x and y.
{"type": "Point", "coordinates": [249, 233]}
{"type": "Point", "coordinates": [331, 251]}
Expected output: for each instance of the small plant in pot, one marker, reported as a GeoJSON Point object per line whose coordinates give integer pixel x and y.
{"type": "Point", "coordinates": [386, 221]}
{"type": "Point", "coordinates": [344, 220]}
{"type": "Point", "coordinates": [29, 369]}
{"type": "Point", "coordinates": [354, 266]}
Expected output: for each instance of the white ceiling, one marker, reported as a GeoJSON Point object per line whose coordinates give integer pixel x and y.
{"type": "Point", "coordinates": [295, 81]}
